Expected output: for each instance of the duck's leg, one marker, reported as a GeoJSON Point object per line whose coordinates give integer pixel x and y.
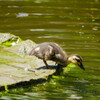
{"type": "Point", "coordinates": [59, 69]}
{"type": "Point", "coordinates": [46, 64]}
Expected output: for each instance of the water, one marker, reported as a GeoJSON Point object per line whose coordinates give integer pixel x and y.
{"type": "Point", "coordinates": [75, 25]}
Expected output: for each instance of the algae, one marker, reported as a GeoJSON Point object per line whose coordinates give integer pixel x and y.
{"type": "Point", "coordinates": [9, 40]}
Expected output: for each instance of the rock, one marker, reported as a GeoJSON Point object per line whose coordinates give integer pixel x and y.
{"type": "Point", "coordinates": [23, 48]}
{"type": "Point", "coordinates": [8, 39]}
{"type": "Point", "coordinates": [6, 36]}
{"type": "Point", "coordinates": [16, 66]}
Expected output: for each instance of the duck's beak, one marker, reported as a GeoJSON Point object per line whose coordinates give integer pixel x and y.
{"type": "Point", "coordinates": [81, 65]}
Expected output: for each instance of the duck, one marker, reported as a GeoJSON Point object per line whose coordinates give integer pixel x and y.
{"type": "Point", "coordinates": [52, 51]}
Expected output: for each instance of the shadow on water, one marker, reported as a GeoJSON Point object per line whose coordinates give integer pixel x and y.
{"type": "Point", "coordinates": [75, 25]}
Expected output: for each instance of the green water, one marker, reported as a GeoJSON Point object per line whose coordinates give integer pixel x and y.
{"type": "Point", "coordinates": [74, 25]}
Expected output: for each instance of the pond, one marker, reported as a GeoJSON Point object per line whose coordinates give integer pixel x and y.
{"type": "Point", "coordinates": [75, 26]}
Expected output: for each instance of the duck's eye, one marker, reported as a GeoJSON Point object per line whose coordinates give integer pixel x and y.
{"type": "Point", "coordinates": [77, 60]}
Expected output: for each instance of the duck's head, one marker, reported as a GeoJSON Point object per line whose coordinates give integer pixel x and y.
{"type": "Point", "coordinates": [76, 59]}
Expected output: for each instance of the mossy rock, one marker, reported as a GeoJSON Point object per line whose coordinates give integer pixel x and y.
{"type": "Point", "coordinates": [17, 66]}
{"type": "Point", "coordinates": [9, 40]}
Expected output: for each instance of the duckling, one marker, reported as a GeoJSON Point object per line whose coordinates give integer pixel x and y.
{"type": "Point", "coordinates": [52, 51]}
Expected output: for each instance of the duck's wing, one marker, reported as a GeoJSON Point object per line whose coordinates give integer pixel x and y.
{"type": "Point", "coordinates": [59, 54]}
{"type": "Point", "coordinates": [43, 51]}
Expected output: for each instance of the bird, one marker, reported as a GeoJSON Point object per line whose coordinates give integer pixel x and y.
{"type": "Point", "coordinates": [52, 51]}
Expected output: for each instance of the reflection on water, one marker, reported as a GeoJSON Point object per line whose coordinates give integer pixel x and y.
{"type": "Point", "coordinates": [22, 15]}
{"type": "Point", "coordinates": [75, 25]}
